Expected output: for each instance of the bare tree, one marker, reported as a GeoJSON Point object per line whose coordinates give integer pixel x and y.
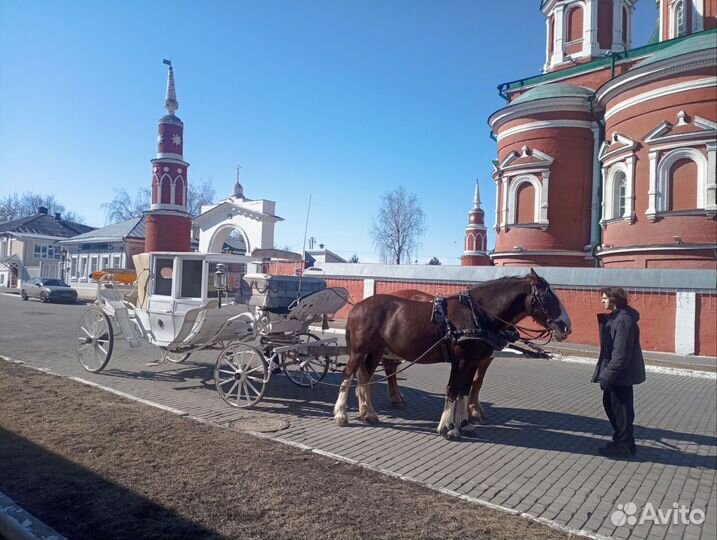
{"type": "Point", "coordinates": [9, 207]}
{"type": "Point", "coordinates": [398, 227]}
{"type": "Point", "coordinates": [14, 207]}
{"type": "Point", "coordinates": [200, 195]}
{"type": "Point", "coordinates": [123, 207]}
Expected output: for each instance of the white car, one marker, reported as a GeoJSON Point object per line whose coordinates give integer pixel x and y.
{"type": "Point", "coordinates": [48, 290]}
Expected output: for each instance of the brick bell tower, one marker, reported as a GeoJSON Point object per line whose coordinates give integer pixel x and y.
{"type": "Point", "coordinates": [476, 253]}
{"type": "Point", "coordinates": [168, 222]}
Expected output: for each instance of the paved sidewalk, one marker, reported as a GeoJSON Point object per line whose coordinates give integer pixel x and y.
{"type": "Point", "coordinates": [537, 456]}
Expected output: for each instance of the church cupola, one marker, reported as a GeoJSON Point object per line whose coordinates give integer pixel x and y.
{"type": "Point", "coordinates": [581, 30]}
{"type": "Point", "coordinates": [476, 252]}
{"type": "Point", "coordinates": [168, 221]}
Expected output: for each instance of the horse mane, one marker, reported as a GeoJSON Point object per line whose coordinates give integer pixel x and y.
{"type": "Point", "coordinates": [502, 296]}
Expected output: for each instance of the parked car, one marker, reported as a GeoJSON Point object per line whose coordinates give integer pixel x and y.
{"type": "Point", "coordinates": [48, 290]}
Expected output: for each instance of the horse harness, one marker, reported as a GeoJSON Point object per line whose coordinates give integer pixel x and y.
{"type": "Point", "coordinates": [481, 332]}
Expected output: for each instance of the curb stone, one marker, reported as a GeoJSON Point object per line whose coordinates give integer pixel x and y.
{"type": "Point", "coordinates": [18, 524]}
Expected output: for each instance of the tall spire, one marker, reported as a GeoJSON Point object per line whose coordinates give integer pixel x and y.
{"type": "Point", "coordinates": [476, 199]}
{"type": "Point", "coordinates": [170, 102]}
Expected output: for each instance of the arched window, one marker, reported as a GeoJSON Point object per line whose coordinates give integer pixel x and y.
{"type": "Point", "coordinates": [683, 185]}
{"type": "Point", "coordinates": [575, 23]}
{"type": "Point", "coordinates": [605, 24]}
{"type": "Point", "coordinates": [681, 182]}
{"type": "Point", "coordinates": [165, 189]}
{"type": "Point", "coordinates": [679, 19]}
{"type": "Point", "coordinates": [551, 37]}
{"type": "Point", "coordinates": [527, 200]}
{"type": "Point", "coordinates": [525, 204]}
{"type": "Point", "coordinates": [618, 190]}
{"type": "Point", "coordinates": [625, 27]}
{"type": "Point", "coordinates": [619, 201]}
{"type": "Point", "coordinates": [179, 191]}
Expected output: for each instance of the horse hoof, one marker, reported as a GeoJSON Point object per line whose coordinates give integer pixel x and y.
{"type": "Point", "coordinates": [371, 419]}
{"type": "Point", "coordinates": [453, 435]}
{"type": "Point", "coordinates": [398, 404]}
{"type": "Point", "coordinates": [341, 420]}
{"type": "Point", "coordinates": [467, 427]}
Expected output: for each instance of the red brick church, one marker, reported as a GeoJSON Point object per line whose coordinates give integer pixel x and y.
{"type": "Point", "coordinates": [608, 158]}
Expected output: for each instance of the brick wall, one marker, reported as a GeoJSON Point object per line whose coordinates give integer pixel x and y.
{"type": "Point", "coordinates": [657, 306]}
{"type": "Point", "coordinates": [707, 325]}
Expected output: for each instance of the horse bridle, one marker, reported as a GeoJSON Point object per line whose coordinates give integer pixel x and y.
{"type": "Point", "coordinates": [538, 303]}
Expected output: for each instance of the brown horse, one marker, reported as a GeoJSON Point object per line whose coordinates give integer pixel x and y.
{"type": "Point", "coordinates": [476, 413]}
{"type": "Point", "coordinates": [400, 328]}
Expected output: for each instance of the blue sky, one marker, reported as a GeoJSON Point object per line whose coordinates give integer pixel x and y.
{"type": "Point", "coordinates": [341, 100]}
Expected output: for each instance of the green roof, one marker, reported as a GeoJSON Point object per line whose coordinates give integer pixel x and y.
{"type": "Point", "coordinates": [552, 91]}
{"type": "Point", "coordinates": [697, 41]}
{"type": "Point", "coordinates": [693, 43]}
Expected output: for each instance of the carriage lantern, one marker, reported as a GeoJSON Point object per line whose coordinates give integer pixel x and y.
{"type": "Point", "coordinates": [220, 282]}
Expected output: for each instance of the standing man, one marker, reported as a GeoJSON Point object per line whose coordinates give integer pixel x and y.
{"type": "Point", "coordinates": [619, 368]}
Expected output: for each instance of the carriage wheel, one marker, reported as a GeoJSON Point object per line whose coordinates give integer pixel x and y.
{"type": "Point", "coordinates": [176, 357]}
{"type": "Point", "coordinates": [241, 374]}
{"type": "Point", "coordinates": [95, 340]}
{"type": "Point", "coordinates": [302, 368]}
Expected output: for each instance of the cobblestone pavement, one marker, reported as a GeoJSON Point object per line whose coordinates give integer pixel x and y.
{"type": "Point", "coordinates": [537, 455]}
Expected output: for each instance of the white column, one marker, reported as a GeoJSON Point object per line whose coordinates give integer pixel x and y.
{"type": "Point", "coordinates": [369, 287]}
{"type": "Point", "coordinates": [652, 192]}
{"type": "Point", "coordinates": [685, 322]}
{"type": "Point", "coordinates": [595, 205]}
{"type": "Point", "coordinates": [496, 226]}
{"type": "Point", "coordinates": [504, 191]}
{"type": "Point", "coordinates": [630, 188]}
{"type": "Point", "coordinates": [617, 27]}
{"type": "Point", "coordinates": [547, 44]}
{"type": "Point", "coordinates": [592, 7]}
{"type": "Point", "coordinates": [711, 186]}
{"type": "Point", "coordinates": [559, 35]}
{"type": "Point", "coordinates": [660, 20]}
{"type": "Point", "coordinates": [544, 200]}
{"type": "Point", "coordinates": [606, 197]}
{"type": "Point", "coordinates": [698, 13]}
{"type": "Point", "coordinates": [588, 29]}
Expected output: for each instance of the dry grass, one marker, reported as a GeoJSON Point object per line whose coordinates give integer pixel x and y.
{"type": "Point", "coordinates": [93, 465]}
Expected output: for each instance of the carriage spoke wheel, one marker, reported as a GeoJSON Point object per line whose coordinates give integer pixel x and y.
{"type": "Point", "coordinates": [95, 340]}
{"type": "Point", "coordinates": [241, 374]}
{"type": "Point", "coordinates": [301, 367]}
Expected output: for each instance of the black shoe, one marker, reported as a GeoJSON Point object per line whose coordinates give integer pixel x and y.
{"type": "Point", "coordinates": [614, 450]}
{"type": "Point", "coordinates": [632, 448]}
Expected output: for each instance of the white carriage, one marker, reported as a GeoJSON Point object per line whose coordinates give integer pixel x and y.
{"type": "Point", "coordinates": [185, 302]}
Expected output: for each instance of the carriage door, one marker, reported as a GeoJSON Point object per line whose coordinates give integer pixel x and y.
{"type": "Point", "coordinates": [161, 306]}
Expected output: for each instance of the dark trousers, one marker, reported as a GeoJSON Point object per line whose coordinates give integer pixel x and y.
{"type": "Point", "coordinates": [619, 406]}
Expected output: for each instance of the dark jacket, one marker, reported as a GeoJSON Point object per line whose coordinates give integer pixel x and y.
{"type": "Point", "coordinates": [621, 362]}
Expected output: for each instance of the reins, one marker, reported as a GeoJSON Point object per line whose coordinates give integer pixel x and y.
{"type": "Point", "coordinates": [386, 377]}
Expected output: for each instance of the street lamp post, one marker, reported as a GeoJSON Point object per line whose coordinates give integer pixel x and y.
{"type": "Point", "coordinates": [64, 259]}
